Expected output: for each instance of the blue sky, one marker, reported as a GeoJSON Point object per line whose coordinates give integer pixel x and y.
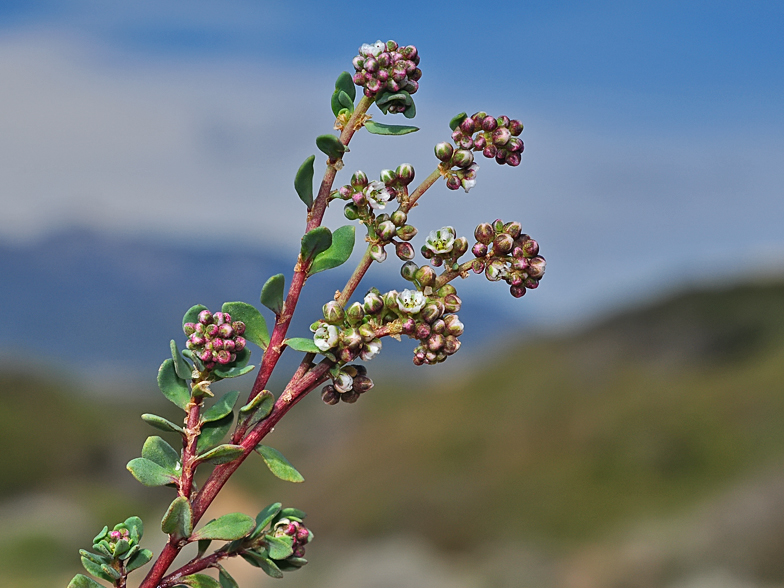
{"type": "Point", "coordinates": [653, 129]}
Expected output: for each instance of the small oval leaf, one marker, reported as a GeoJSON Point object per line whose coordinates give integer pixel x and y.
{"type": "Point", "coordinates": [221, 454]}
{"type": "Point", "coordinates": [345, 82]}
{"type": "Point", "coordinates": [234, 372]}
{"type": "Point", "coordinates": [96, 569]}
{"type": "Point", "coordinates": [258, 409]}
{"type": "Point", "coordinates": [338, 253]}
{"type": "Point", "coordinates": [198, 581]}
{"type": "Point", "coordinates": [229, 527]}
{"type": "Point", "coordinates": [222, 407]}
{"type": "Point", "coordinates": [82, 581]}
{"type": "Point", "coordinates": [212, 433]}
{"type": "Point", "coordinates": [138, 560]}
{"type": "Point", "coordinates": [174, 388]}
{"type": "Point", "coordinates": [225, 579]}
{"type": "Point", "coordinates": [272, 293]}
{"type": "Point", "coordinates": [378, 128]}
{"type": "Point", "coordinates": [265, 517]}
{"type": "Point", "coordinates": [279, 465]}
{"type": "Point", "coordinates": [302, 344]}
{"type": "Point", "coordinates": [158, 451]}
{"type": "Point", "coordinates": [181, 367]}
{"type": "Point", "coordinates": [279, 547]}
{"type": "Point", "coordinates": [150, 473]}
{"type": "Point", "coordinates": [315, 241]}
{"type": "Point", "coordinates": [255, 325]}
{"type": "Point", "coordinates": [456, 120]}
{"type": "Point", "coordinates": [178, 520]}
{"type": "Point", "coordinates": [303, 181]}
{"type": "Point", "coordinates": [331, 146]}
{"type": "Point", "coordinates": [161, 423]}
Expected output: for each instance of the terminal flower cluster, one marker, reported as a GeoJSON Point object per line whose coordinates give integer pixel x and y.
{"type": "Point", "coordinates": [387, 68]}
{"type": "Point", "coordinates": [215, 339]}
{"type": "Point", "coordinates": [494, 137]}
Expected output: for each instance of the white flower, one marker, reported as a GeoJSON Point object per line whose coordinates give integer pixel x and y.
{"type": "Point", "coordinates": [371, 350]}
{"type": "Point", "coordinates": [377, 195]}
{"type": "Point", "coordinates": [326, 337]}
{"type": "Point", "coordinates": [411, 301]}
{"type": "Point", "coordinates": [441, 241]}
{"type": "Point", "coordinates": [374, 49]}
{"type": "Point", "coordinates": [469, 178]}
{"type": "Point", "coordinates": [343, 383]}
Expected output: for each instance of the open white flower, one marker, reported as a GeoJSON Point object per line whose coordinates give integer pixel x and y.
{"type": "Point", "coordinates": [371, 350]}
{"type": "Point", "coordinates": [377, 195]}
{"type": "Point", "coordinates": [326, 337]}
{"type": "Point", "coordinates": [373, 49]}
{"type": "Point", "coordinates": [469, 178]}
{"type": "Point", "coordinates": [411, 301]}
{"type": "Point", "coordinates": [441, 241]}
{"type": "Point", "coordinates": [343, 383]}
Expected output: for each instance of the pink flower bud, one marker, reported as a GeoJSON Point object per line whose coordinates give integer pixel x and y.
{"type": "Point", "coordinates": [205, 317]}
{"type": "Point", "coordinates": [444, 151]}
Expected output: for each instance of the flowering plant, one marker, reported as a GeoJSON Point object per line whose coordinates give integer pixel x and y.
{"type": "Point", "coordinates": [217, 435]}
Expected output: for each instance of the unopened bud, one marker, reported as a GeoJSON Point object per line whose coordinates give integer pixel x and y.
{"type": "Point", "coordinates": [453, 182]}
{"type": "Point", "coordinates": [444, 151]}
{"type": "Point", "coordinates": [329, 395]}
{"type": "Point", "coordinates": [446, 289]}
{"type": "Point", "coordinates": [359, 179]}
{"type": "Point", "coordinates": [404, 251]}
{"type": "Point", "coordinates": [452, 303]}
{"type": "Point", "coordinates": [377, 252]}
{"type": "Point", "coordinates": [390, 299]}
{"type": "Point", "coordinates": [399, 218]}
{"type": "Point", "coordinates": [355, 313]}
{"type": "Point", "coordinates": [405, 173]}
{"type": "Point", "coordinates": [205, 317]}
{"type": "Point", "coordinates": [462, 158]}
{"type": "Point", "coordinates": [515, 127]}
{"type": "Point", "coordinates": [388, 176]}
{"type": "Point", "coordinates": [362, 384]}
{"type": "Point", "coordinates": [478, 266]}
{"type": "Point", "coordinates": [530, 248]}
{"type": "Point", "coordinates": [333, 312]}
{"type": "Point", "coordinates": [386, 230]}
{"type": "Point", "coordinates": [489, 123]}
{"type": "Point", "coordinates": [503, 244]}
{"type": "Point", "coordinates": [433, 311]}
{"type": "Point", "coordinates": [438, 326]}
{"type": "Point", "coordinates": [423, 331]}
{"type": "Point", "coordinates": [536, 267]}
{"type": "Point", "coordinates": [350, 338]}
{"type": "Point", "coordinates": [495, 271]}
{"type": "Point", "coordinates": [459, 247]}
{"type": "Point", "coordinates": [484, 233]}
{"type": "Point", "coordinates": [451, 345]}
{"type": "Point", "coordinates": [453, 325]}
{"type": "Point", "coordinates": [189, 328]}
{"type": "Point", "coordinates": [513, 229]}
{"type": "Point", "coordinates": [350, 211]}
{"type": "Point", "coordinates": [531, 283]}
{"type": "Point", "coordinates": [408, 271]}
{"type": "Point", "coordinates": [372, 303]}
{"type": "Point", "coordinates": [346, 354]}
{"type": "Point", "coordinates": [517, 291]}
{"type": "Point", "coordinates": [367, 332]}
{"type": "Point", "coordinates": [425, 275]}
{"type": "Point", "coordinates": [435, 342]}
{"type": "Point", "coordinates": [406, 232]}
{"type": "Point", "coordinates": [479, 250]}
{"type": "Point", "coordinates": [351, 396]}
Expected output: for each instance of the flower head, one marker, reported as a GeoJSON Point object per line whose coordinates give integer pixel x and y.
{"type": "Point", "coordinates": [326, 337]}
{"type": "Point", "coordinates": [411, 301]}
{"type": "Point", "coordinates": [441, 241]}
{"type": "Point", "coordinates": [377, 195]}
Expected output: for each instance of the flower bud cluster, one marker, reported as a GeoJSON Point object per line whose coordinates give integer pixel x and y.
{"type": "Point", "coordinates": [437, 327]}
{"type": "Point", "coordinates": [443, 246]}
{"type": "Point", "coordinates": [350, 382]}
{"type": "Point", "coordinates": [348, 334]}
{"type": "Point", "coordinates": [215, 339]}
{"type": "Point", "coordinates": [121, 543]}
{"type": "Point", "coordinates": [300, 534]}
{"type": "Point", "coordinates": [504, 252]}
{"type": "Point", "coordinates": [494, 137]}
{"type": "Point", "coordinates": [387, 67]}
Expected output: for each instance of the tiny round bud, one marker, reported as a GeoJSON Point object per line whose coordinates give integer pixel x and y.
{"type": "Point", "coordinates": [435, 342]}
{"type": "Point", "coordinates": [452, 303]}
{"type": "Point", "coordinates": [446, 289]}
{"type": "Point", "coordinates": [467, 126]}
{"type": "Point", "coordinates": [189, 328]}
{"type": "Point", "coordinates": [239, 327]}
{"type": "Point", "coordinates": [513, 159]}
{"type": "Point", "coordinates": [225, 331]}
{"type": "Point", "coordinates": [433, 311]}
{"type": "Point", "coordinates": [347, 354]}
{"type": "Point", "coordinates": [462, 158]}
{"type": "Point", "coordinates": [399, 218]}
{"type": "Point", "coordinates": [350, 338]}
{"type": "Point", "coordinates": [489, 123]}
{"type": "Point", "coordinates": [205, 317]}
{"type": "Point", "coordinates": [453, 325]}
{"type": "Point", "coordinates": [484, 233]}
{"type": "Point", "coordinates": [355, 313]}
{"type": "Point", "coordinates": [367, 332]}
{"type": "Point", "coordinates": [513, 229]}
{"type": "Point", "coordinates": [438, 326]}
{"type": "Point", "coordinates": [408, 326]}
{"type": "Point", "coordinates": [388, 176]}
{"type": "Point", "coordinates": [515, 127]}
{"type": "Point", "coordinates": [495, 271]}
{"type": "Point", "coordinates": [478, 266]}
{"type": "Point", "coordinates": [503, 121]}
{"type": "Point", "coordinates": [239, 343]}
{"type": "Point", "coordinates": [333, 312]}
{"type": "Point", "coordinates": [459, 247]}
{"type": "Point", "coordinates": [404, 251]}
{"type": "Point", "coordinates": [406, 232]}
{"type": "Point", "coordinates": [453, 182]}
{"type": "Point", "coordinates": [405, 173]}
{"type": "Point", "coordinates": [329, 395]}
{"type": "Point", "coordinates": [409, 270]}
{"type": "Point", "coordinates": [444, 151]}
{"type": "Point", "coordinates": [517, 291]}
{"type": "Point", "coordinates": [536, 267]}
{"type": "Point", "coordinates": [425, 275]}
{"type": "Point", "coordinates": [530, 248]}
{"type": "Point", "coordinates": [465, 142]}
{"type": "Point", "coordinates": [503, 243]}
{"type": "Point", "coordinates": [372, 303]}
{"type": "Point", "coordinates": [377, 252]}
{"type": "Point", "coordinates": [515, 145]}
{"type": "Point", "coordinates": [531, 283]}
{"type": "Point", "coordinates": [359, 179]}
{"type": "Point", "coordinates": [479, 250]}
{"type": "Point", "coordinates": [490, 151]}
{"type": "Point", "coordinates": [386, 230]}
{"type": "Point", "coordinates": [501, 136]}
{"type": "Point", "coordinates": [423, 331]}
{"type": "Point", "coordinates": [351, 396]}
{"type": "Point", "coordinates": [451, 345]}
{"type": "Point", "coordinates": [362, 384]}
{"type": "Point", "coordinates": [480, 142]}
{"type": "Point", "coordinates": [224, 357]}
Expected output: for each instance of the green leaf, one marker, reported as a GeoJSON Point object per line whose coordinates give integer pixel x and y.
{"type": "Point", "coordinates": [269, 567]}
{"type": "Point", "coordinates": [337, 103]}
{"type": "Point", "coordinates": [161, 423]}
{"type": "Point", "coordinates": [346, 83]}
{"type": "Point", "coordinates": [150, 473]}
{"type": "Point", "coordinates": [291, 564]}
{"type": "Point", "coordinates": [101, 535]}
{"type": "Point", "coordinates": [181, 367]}
{"type": "Point", "coordinates": [82, 581]}
{"type": "Point", "coordinates": [229, 527]}
{"type": "Point", "coordinates": [212, 433]}
{"type": "Point", "coordinates": [141, 558]}
{"type": "Point", "coordinates": [222, 454]}
{"type": "Point", "coordinates": [378, 128]}
{"type": "Point", "coordinates": [337, 254]}
{"type": "Point", "coordinates": [331, 146]}
{"type": "Point", "coordinates": [158, 451]}
{"type": "Point", "coordinates": [302, 344]}
{"type": "Point", "coordinates": [455, 122]}
{"type": "Point", "coordinates": [279, 547]}
{"type": "Point", "coordinates": [225, 579]}
{"type": "Point", "coordinates": [258, 409]}
{"type": "Point", "coordinates": [234, 372]}
{"type": "Point", "coordinates": [111, 572]}
{"type": "Point", "coordinates": [178, 520]}
{"type": "Point", "coordinates": [95, 569]}
{"type": "Point", "coordinates": [255, 325]}
{"type": "Point", "coordinates": [198, 581]}
{"type": "Point", "coordinates": [265, 517]}
{"type": "Point", "coordinates": [272, 293]}
{"type": "Point", "coordinates": [303, 181]}
{"type": "Point", "coordinates": [192, 314]}
{"type": "Point", "coordinates": [94, 557]}
{"type": "Point", "coordinates": [135, 527]}
{"type": "Point", "coordinates": [188, 354]}
{"type": "Point", "coordinates": [388, 98]}
{"type": "Point", "coordinates": [173, 387]}
{"type": "Point", "coordinates": [315, 241]}
{"type": "Point", "coordinates": [410, 112]}
{"type": "Point", "coordinates": [121, 548]}
{"type": "Point", "coordinates": [222, 407]}
{"type": "Point", "coordinates": [292, 512]}
{"type": "Point", "coordinates": [279, 465]}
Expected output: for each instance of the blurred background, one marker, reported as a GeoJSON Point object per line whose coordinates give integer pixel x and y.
{"type": "Point", "coordinates": [622, 426]}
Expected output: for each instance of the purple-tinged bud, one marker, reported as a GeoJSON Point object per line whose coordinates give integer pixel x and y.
{"type": "Point", "coordinates": [405, 251]}
{"type": "Point", "coordinates": [388, 176]}
{"type": "Point", "coordinates": [423, 331]}
{"type": "Point", "coordinates": [386, 230]}
{"type": "Point", "coordinates": [384, 60]}
{"type": "Point", "coordinates": [409, 270]}
{"type": "Point", "coordinates": [517, 291]}
{"type": "Point", "coordinates": [218, 318]}
{"type": "Point", "coordinates": [189, 328]}
{"type": "Point", "coordinates": [224, 357]}
{"type": "Point", "coordinates": [457, 134]}
{"type": "Point", "coordinates": [495, 271]}
{"type": "Point", "coordinates": [478, 266]}
{"type": "Point", "coordinates": [467, 126]}
{"type": "Point", "coordinates": [333, 312]}
{"type": "Point", "coordinates": [479, 250]}
{"type": "Point", "coordinates": [390, 299]}
{"type": "Point", "coordinates": [329, 395]}
{"type": "Point", "coordinates": [444, 151]}
{"type": "Point", "coordinates": [371, 65]}
{"type": "Point", "coordinates": [459, 247]}
{"type": "Point", "coordinates": [501, 136]}
{"type": "Point", "coordinates": [433, 311]}
{"type": "Point", "coordinates": [498, 225]}
{"type": "Point", "coordinates": [372, 303]}
{"type": "Point", "coordinates": [350, 338]}
{"type": "Point", "coordinates": [451, 345]}
{"type": "Point", "coordinates": [399, 218]}
{"type": "Point", "coordinates": [536, 267]}
{"type": "Point", "coordinates": [489, 123]}
{"type": "Point", "coordinates": [346, 355]}
{"type": "Point", "coordinates": [359, 78]}
{"type": "Point", "coordinates": [299, 551]}
{"type": "Point", "coordinates": [453, 182]}
{"type": "Point", "coordinates": [530, 248]}
{"type": "Point", "coordinates": [513, 229]}
{"type": "Point", "coordinates": [206, 355]}
{"type": "Point", "coordinates": [453, 325]}
{"type": "Point", "coordinates": [205, 317]}
{"type": "Point", "coordinates": [437, 262]}
{"type": "Point", "coordinates": [345, 192]}
{"type": "Point", "coordinates": [502, 244]}
{"type": "Point", "coordinates": [515, 127]}
{"type": "Point", "coordinates": [438, 326]}
{"type": "Point", "coordinates": [490, 151]}
{"type": "Point", "coordinates": [484, 233]}
{"type": "Point", "coordinates": [462, 158]}
{"type": "Point", "coordinates": [211, 330]}
{"type": "Point", "coordinates": [391, 45]}
{"type": "Point", "coordinates": [500, 156]}
{"type": "Point", "coordinates": [531, 283]}
{"type": "Point", "coordinates": [229, 345]}
{"type": "Point", "coordinates": [513, 159]}
{"type": "Point", "coordinates": [291, 529]}
{"type": "Point", "coordinates": [239, 343]}
{"type": "Point", "coordinates": [358, 62]}
{"type": "Point", "coordinates": [465, 142]}
{"type": "Point", "coordinates": [430, 358]}
{"type": "Point", "coordinates": [377, 252]}
{"type": "Point", "coordinates": [405, 172]}
{"type": "Point", "coordinates": [452, 303]}
{"type": "Point", "coordinates": [519, 264]}
{"type": "Point", "coordinates": [355, 313]}
{"type": "Point", "coordinates": [516, 280]}
{"type": "Point", "coordinates": [239, 327]}
{"type": "Point", "coordinates": [359, 179]}
{"type": "Point", "coordinates": [408, 52]}
{"type": "Point", "coordinates": [196, 339]}
{"type": "Point", "coordinates": [445, 290]}
{"type": "Point", "coordinates": [382, 217]}
{"type": "Point", "coordinates": [435, 342]}
{"type": "Point", "coordinates": [425, 275]}
{"type": "Point", "coordinates": [226, 331]}
{"type": "Point", "coordinates": [351, 396]}
{"type": "Point", "coordinates": [411, 86]}
{"type": "Point", "coordinates": [367, 332]}
{"type": "Point", "coordinates": [362, 384]}
{"type": "Point", "coordinates": [515, 145]}
{"type": "Point", "coordinates": [406, 232]}
{"type": "Point", "coordinates": [480, 143]}
{"type": "Point", "coordinates": [408, 326]}
{"type": "Point", "coordinates": [303, 535]}
{"type": "Point", "coordinates": [217, 344]}
{"type": "Point", "coordinates": [415, 75]}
